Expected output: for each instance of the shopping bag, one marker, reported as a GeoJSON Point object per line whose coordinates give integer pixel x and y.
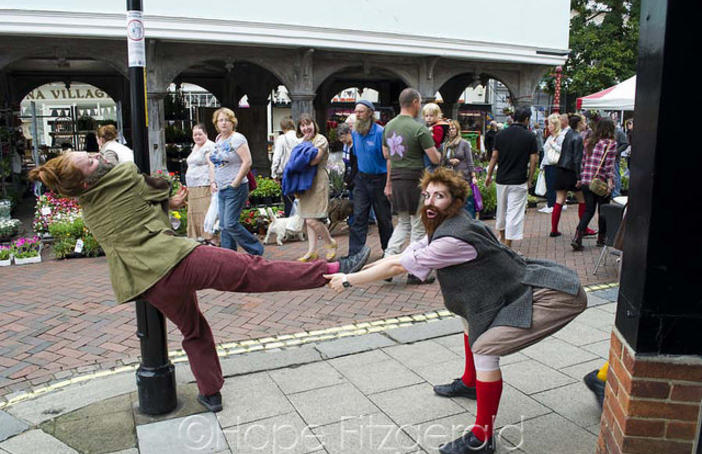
{"type": "Point", "coordinates": [540, 188]}
{"type": "Point", "coordinates": [477, 197]}
{"type": "Point", "coordinates": [211, 225]}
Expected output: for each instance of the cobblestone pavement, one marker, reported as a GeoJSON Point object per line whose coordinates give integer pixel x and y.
{"type": "Point", "coordinates": [58, 319]}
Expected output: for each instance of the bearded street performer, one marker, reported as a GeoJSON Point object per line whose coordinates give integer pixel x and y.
{"type": "Point", "coordinates": [506, 302]}
{"type": "Point", "coordinates": [127, 213]}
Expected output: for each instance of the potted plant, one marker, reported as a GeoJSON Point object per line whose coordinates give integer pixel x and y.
{"type": "Point", "coordinates": [26, 250]}
{"type": "Point", "coordinates": [5, 256]}
{"type": "Point", "coordinates": [9, 228]}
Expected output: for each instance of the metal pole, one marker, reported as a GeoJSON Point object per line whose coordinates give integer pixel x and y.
{"type": "Point", "coordinates": [557, 92]}
{"type": "Point", "coordinates": [156, 375]}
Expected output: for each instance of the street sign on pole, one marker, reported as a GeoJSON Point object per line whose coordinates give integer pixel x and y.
{"type": "Point", "coordinates": [155, 376]}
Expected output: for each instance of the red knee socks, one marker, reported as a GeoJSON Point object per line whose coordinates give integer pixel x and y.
{"type": "Point", "coordinates": [556, 217]}
{"type": "Point", "coordinates": [488, 400]}
{"type": "Point", "coordinates": [581, 210]}
{"type": "Point", "coordinates": [468, 378]}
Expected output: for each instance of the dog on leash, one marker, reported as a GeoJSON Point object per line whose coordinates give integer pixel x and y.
{"type": "Point", "coordinates": [339, 211]}
{"type": "Point", "coordinates": [284, 228]}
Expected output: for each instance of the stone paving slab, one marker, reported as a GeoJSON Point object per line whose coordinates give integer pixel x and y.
{"type": "Point", "coordinates": [377, 377]}
{"type": "Point", "coordinates": [53, 404]}
{"type": "Point", "coordinates": [369, 434]}
{"type": "Point", "coordinates": [10, 426]}
{"type": "Point", "coordinates": [420, 353]}
{"type": "Point", "coordinates": [304, 378]}
{"type": "Point", "coordinates": [414, 404]}
{"type": "Point", "coordinates": [573, 402]}
{"type": "Point", "coordinates": [191, 434]}
{"type": "Point", "coordinates": [532, 376]}
{"type": "Point", "coordinates": [552, 434]}
{"type": "Point", "coordinates": [557, 353]}
{"type": "Point", "coordinates": [35, 441]}
{"type": "Point", "coordinates": [331, 405]}
{"type": "Point", "coordinates": [267, 360]}
{"type": "Point", "coordinates": [251, 397]}
{"type": "Point", "coordinates": [280, 434]}
{"type": "Point", "coordinates": [439, 328]}
{"type": "Point", "coordinates": [351, 345]}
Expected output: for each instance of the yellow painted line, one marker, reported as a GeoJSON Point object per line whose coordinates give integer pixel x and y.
{"type": "Point", "coordinates": [268, 343]}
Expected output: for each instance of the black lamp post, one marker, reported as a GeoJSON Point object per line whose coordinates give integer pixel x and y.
{"type": "Point", "coordinates": [156, 375]}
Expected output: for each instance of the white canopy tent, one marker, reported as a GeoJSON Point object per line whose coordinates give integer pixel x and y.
{"type": "Point", "coordinates": [619, 97]}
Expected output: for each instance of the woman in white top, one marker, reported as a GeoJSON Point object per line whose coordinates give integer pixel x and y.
{"type": "Point", "coordinates": [229, 163]}
{"type": "Point", "coordinates": [197, 178]}
{"type": "Point", "coordinates": [113, 151]}
{"type": "Point", "coordinates": [552, 147]}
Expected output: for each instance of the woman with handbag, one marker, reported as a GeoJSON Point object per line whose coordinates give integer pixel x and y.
{"type": "Point", "coordinates": [552, 152]}
{"type": "Point", "coordinates": [567, 171]}
{"type": "Point", "coordinates": [458, 156]}
{"type": "Point", "coordinates": [230, 164]}
{"type": "Point", "coordinates": [597, 179]}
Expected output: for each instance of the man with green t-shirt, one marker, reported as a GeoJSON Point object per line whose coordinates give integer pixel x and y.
{"type": "Point", "coordinates": [405, 141]}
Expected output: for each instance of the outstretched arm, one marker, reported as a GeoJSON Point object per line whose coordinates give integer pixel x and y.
{"type": "Point", "coordinates": [386, 268]}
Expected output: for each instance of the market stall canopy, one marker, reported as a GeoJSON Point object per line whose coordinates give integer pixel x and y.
{"type": "Point", "coordinates": [618, 97]}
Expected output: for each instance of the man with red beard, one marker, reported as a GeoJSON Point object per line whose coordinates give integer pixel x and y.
{"type": "Point", "coordinates": [506, 302]}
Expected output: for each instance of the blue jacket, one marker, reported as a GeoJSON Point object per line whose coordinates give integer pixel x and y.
{"type": "Point", "coordinates": [298, 174]}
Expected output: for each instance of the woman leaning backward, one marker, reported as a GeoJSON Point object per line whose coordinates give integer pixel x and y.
{"type": "Point", "coordinates": [229, 163]}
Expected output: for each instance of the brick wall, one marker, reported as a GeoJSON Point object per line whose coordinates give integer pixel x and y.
{"type": "Point", "coordinates": [652, 403]}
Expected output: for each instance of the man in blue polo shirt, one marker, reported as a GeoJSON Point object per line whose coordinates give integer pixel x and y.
{"type": "Point", "coordinates": [370, 180]}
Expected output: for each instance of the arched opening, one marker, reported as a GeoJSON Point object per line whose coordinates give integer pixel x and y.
{"type": "Point", "coordinates": [475, 100]}
{"type": "Point", "coordinates": [339, 92]}
{"type": "Point", "coordinates": [254, 93]}
{"type": "Point", "coordinates": [66, 115]}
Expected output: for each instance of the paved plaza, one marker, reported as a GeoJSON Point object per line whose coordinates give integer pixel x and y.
{"type": "Point", "coordinates": [362, 394]}
{"type": "Point", "coordinates": [59, 320]}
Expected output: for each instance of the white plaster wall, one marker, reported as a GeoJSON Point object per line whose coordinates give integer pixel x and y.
{"type": "Point", "coordinates": [533, 24]}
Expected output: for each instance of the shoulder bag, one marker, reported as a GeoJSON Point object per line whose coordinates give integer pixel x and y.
{"type": "Point", "coordinates": [597, 186]}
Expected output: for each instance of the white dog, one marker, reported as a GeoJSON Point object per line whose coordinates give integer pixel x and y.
{"type": "Point", "coordinates": [284, 227]}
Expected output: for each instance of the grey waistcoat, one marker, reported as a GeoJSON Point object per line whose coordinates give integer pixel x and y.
{"type": "Point", "coordinates": [496, 288]}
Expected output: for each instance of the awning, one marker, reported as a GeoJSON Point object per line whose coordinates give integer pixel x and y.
{"type": "Point", "coordinates": [618, 97]}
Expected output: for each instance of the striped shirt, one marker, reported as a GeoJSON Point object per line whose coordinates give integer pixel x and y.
{"type": "Point", "coordinates": [592, 161]}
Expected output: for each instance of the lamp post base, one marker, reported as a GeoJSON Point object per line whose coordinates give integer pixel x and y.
{"type": "Point", "coordinates": [156, 389]}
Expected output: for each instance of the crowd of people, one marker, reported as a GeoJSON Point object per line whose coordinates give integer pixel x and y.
{"type": "Point", "coordinates": [421, 171]}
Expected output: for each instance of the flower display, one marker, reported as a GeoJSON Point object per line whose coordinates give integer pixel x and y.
{"type": "Point", "coordinates": [23, 248]}
{"type": "Point", "coordinates": [9, 228]}
{"type": "Point", "coordinates": [5, 252]}
{"type": "Point", "coordinates": [51, 208]}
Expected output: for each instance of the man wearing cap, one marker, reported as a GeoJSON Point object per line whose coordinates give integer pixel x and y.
{"type": "Point", "coordinates": [370, 180]}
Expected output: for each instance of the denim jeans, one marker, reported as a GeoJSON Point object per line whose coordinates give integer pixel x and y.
{"type": "Point", "coordinates": [470, 207]}
{"type": "Point", "coordinates": [369, 195]}
{"type": "Point", "coordinates": [231, 201]}
{"type": "Point", "coordinates": [616, 192]}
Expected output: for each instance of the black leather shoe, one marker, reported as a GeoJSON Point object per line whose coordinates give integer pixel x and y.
{"type": "Point", "coordinates": [213, 402]}
{"type": "Point", "coordinates": [355, 262]}
{"type": "Point", "coordinates": [595, 385]}
{"type": "Point", "coordinates": [455, 389]}
{"type": "Point", "coordinates": [468, 444]}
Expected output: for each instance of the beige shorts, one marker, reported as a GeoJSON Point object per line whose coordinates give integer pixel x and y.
{"type": "Point", "coordinates": [552, 310]}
